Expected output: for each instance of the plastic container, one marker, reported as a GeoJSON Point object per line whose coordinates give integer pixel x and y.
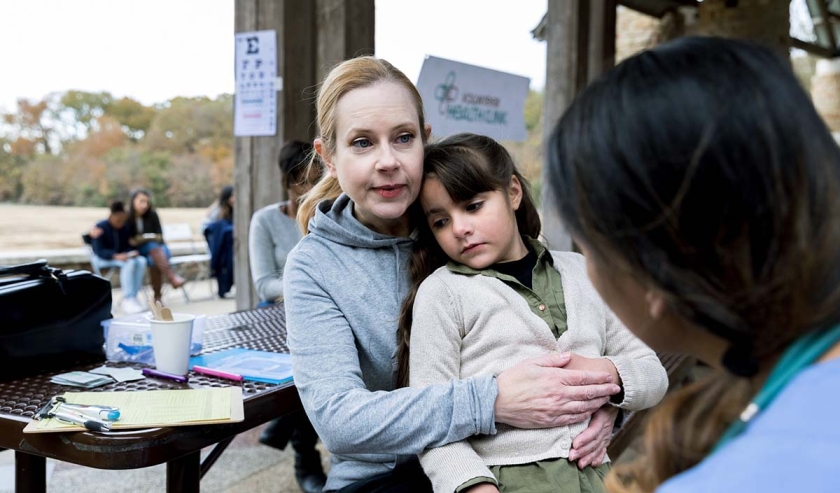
{"type": "Point", "coordinates": [129, 338]}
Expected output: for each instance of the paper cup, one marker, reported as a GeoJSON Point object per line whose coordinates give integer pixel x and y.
{"type": "Point", "coordinates": [171, 342]}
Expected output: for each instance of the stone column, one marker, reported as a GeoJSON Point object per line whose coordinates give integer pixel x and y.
{"type": "Point", "coordinates": [764, 21]}
{"type": "Point", "coordinates": [825, 91]}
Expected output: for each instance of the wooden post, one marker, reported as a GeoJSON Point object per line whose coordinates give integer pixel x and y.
{"type": "Point", "coordinates": [345, 30]}
{"type": "Point", "coordinates": [580, 38]}
{"type": "Point", "coordinates": [256, 173]}
{"type": "Point", "coordinates": [312, 36]}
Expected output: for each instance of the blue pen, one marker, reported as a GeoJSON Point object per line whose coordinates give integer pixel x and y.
{"type": "Point", "coordinates": [96, 411]}
{"type": "Point", "coordinates": [90, 424]}
{"type": "Point", "coordinates": [101, 412]}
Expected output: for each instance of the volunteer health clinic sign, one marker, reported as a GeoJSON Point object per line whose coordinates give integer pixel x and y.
{"type": "Point", "coordinates": [464, 98]}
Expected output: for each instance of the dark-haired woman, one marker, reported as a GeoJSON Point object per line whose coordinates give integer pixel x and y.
{"type": "Point", "coordinates": [273, 234]}
{"type": "Point", "coordinates": [273, 231]}
{"type": "Point", "coordinates": [704, 190]}
{"type": "Point", "coordinates": [146, 235]}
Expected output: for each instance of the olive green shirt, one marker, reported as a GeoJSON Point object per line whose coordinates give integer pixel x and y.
{"type": "Point", "coordinates": [545, 298]}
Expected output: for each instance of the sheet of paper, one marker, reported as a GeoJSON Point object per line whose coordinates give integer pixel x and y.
{"type": "Point", "coordinates": [155, 407]}
{"type": "Point", "coordinates": [119, 374]}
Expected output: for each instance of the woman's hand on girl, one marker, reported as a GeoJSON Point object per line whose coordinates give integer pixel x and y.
{"type": "Point", "coordinates": [590, 447]}
{"type": "Point", "coordinates": [541, 393]}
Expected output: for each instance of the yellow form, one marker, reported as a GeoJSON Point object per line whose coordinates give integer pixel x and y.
{"type": "Point", "coordinates": [156, 408]}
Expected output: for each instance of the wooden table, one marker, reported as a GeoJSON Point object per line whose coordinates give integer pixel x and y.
{"type": "Point", "coordinates": [178, 447]}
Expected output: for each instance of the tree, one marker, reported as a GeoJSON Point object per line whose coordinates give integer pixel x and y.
{"type": "Point", "coordinates": [11, 169]}
{"type": "Point", "coordinates": [36, 122]}
{"type": "Point", "coordinates": [134, 117]}
{"type": "Point", "coordinates": [80, 111]}
{"type": "Point", "coordinates": [187, 124]}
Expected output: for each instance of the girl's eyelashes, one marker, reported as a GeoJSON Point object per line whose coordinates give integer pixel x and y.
{"type": "Point", "coordinates": [474, 206]}
{"type": "Point", "coordinates": [439, 223]}
{"type": "Point", "coordinates": [405, 138]}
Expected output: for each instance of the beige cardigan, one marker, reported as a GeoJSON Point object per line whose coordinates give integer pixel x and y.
{"type": "Point", "coordinates": [476, 325]}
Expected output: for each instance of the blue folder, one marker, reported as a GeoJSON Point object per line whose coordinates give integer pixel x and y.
{"type": "Point", "coordinates": [258, 366]}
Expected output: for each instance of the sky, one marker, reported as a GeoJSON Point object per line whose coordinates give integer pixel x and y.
{"type": "Point", "coordinates": [153, 50]}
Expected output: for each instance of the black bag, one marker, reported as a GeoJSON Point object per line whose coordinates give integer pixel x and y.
{"type": "Point", "coordinates": [50, 319]}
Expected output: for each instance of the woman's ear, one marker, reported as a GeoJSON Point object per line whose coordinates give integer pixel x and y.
{"type": "Point", "coordinates": [515, 192]}
{"type": "Point", "coordinates": [655, 303]}
{"type": "Point", "coordinates": [428, 130]}
{"type": "Point", "coordinates": [318, 145]}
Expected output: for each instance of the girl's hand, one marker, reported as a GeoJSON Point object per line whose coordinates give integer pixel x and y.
{"type": "Point", "coordinates": [482, 488]}
{"type": "Point", "coordinates": [540, 393]}
{"type": "Point", "coordinates": [578, 362]}
{"type": "Point", "coordinates": [590, 447]}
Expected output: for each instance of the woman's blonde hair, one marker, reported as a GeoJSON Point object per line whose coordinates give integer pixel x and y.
{"type": "Point", "coordinates": [350, 74]}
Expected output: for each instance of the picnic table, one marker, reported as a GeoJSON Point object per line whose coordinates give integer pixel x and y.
{"type": "Point", "coordinates": [178, 447]}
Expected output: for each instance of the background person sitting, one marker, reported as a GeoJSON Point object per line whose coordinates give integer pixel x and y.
{"type": "Point", "coordinates": [111, 249]}
{"type": "Point", "coordinates": [147, 236]}
{"type": "Point", "coordinates": [215, 212]}
{"type": "Point", "coordinates": [219, 235]}
{"type": "Point", "coordinates": [274, 232]}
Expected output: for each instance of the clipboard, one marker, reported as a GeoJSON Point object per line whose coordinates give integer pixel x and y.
{"type": "Point", "coordinates": [235, 413]}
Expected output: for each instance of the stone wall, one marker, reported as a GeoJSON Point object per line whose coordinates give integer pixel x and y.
{"type": "Point", "coordinates": [765, 21]}
{"type": "Point", "coordinates": [825, 91]}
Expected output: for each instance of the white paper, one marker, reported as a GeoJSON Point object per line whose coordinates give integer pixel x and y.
{"type": "Point", "coordinates": [465, 98]}
{"type": "Point", "coordinates": [119, 374]}
{"type": "Point", "coordinates": [255, 103]}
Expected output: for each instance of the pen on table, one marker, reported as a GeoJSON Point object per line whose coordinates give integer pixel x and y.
{"type": "Point", "coordinates": [100, 412]}
{"type": "Point", "coordinates": [217, 373]}
{"type": "Point", "coordinates": [90, 424]}
{"type": "Point", "coordinates": [168, 376]}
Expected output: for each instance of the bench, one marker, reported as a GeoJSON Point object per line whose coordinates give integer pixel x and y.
{"type": "Point", "coordinates": [678, 367]}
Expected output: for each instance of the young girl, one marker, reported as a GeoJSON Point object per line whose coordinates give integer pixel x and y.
{"type": "Point", "coordinates": [500, 298]}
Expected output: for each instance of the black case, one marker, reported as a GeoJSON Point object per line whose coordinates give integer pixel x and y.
{"type": "Point", "coordinates": [50, 319]}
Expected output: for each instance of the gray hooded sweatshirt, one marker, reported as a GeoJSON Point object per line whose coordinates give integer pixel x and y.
{"type": "Point", "coordinates": [344, 285]}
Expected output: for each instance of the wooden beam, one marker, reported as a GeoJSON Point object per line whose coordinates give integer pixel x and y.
{"type": "Point", "coordinates": [826, 23]}
{"type": "Point", "coordinates": [581, 69]}
{"type": "Point", "coordinates": [345, 30]}
{"type": "Point", "coordinates": [608, 34]}
{"type": "Point", "coordinates": [814, 49]}
{"type": "Point", "coordinates": [256, 173]}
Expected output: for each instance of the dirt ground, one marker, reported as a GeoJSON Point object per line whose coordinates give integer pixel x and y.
{"type": "Point", "coordinates": [39, 227]}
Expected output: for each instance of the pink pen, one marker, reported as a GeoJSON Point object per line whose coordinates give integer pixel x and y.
{"type": "Point", "coordinates": [217, 373]}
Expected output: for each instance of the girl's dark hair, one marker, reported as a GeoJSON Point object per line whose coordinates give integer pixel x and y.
{"type": "Point", "coordinates": [225, 207]}
{"type": "Point", "coordinates": [132, 215]}
{"type": "Point", "coordinates": [294, 161]}
{"type": "Point", "coordinates": [702, 168]}
{"type": "Point", "coordinates": [466, 165]}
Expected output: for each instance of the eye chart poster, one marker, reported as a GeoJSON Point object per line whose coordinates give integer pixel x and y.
{"type": "Point", "coordinates": [255, 104]}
